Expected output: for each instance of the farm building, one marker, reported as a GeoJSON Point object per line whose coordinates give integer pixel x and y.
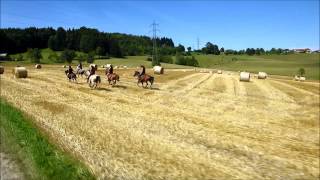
{"type": "Point", "coordinates": [305, 50]}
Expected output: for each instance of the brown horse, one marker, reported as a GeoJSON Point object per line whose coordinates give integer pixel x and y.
{"type": "Point", "coordinates": [113, 78]}
{"type": "Point", "coordinates": [143, 79]}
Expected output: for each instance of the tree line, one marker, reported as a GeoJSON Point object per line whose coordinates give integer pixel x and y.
{"type": "Point", "coordinates": [17, 40]}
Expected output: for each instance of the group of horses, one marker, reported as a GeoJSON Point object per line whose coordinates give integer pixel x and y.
{"type": "Point", "coordinates": [94, 80]}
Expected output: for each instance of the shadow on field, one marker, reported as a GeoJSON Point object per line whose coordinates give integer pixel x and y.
{"type": "Point", "coordinates": [103, 89]}
{"type": "Point", "coordinates": [119, 86]}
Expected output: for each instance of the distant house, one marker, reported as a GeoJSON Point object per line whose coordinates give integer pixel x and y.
{"type": "Point", "coordinates": [316, 51]}
{"type": "Point", "coordinates": [3, 56]}
{"type": "Point", "coordinates": [305, 50]}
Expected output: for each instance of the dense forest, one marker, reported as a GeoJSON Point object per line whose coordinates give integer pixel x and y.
{"type": "Point", "coordinates": [16, 40]}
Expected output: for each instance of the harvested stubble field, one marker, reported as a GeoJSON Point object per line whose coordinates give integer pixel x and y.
{"type": "Point", "coordinates": [195, 126]}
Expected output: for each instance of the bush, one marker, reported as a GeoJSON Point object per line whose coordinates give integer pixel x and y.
{"type": "Point", "coordinates": [90, 57]}
{"type": "Point", "coordinates": [149, 58]}
{"type": "Point", "coordinates": [67, 55]}
{"type": "Point", "coordinates": [180, 59]}
{"type": "Point", "coordinates": [34, 55]}
{"type": "Point", "coordinates": [191, 61]}
{"type": "Point", "coordinates": [166, 59]}
{"type": "Point", "coordinates": [20, 57]}
{"type": "Point", "coordinates": [301, 72]}
{"type": "Point", "coordinates": [54, 58]}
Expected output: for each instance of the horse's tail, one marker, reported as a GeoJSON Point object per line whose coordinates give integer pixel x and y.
{"type": "Point", "coordinates": [98, 80]}
{"type": "Point", "coordinates": [151, 80]}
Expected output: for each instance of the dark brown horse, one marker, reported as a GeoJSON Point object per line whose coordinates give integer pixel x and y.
{"type": "Point", "coordinates": [144, 79]}
{"type": "Point", "coordinates": [71, 76]}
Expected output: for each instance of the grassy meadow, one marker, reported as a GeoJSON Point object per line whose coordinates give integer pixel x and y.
{"type": "Point", "coordinates": [285, 65]}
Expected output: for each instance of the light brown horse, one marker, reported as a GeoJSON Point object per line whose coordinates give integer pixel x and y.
{"type": "Point", "coordinates": [113, 78]}
{"type": "Point", "coordinates": [143, 79]}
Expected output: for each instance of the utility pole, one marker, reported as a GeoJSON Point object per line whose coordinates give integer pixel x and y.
{"type": "Point", "coordinates": [155, 60]}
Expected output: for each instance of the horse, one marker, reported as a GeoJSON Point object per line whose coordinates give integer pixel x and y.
{"type": "Point", "coordinates": [144, 78]}
{"type": "Point", "coordinates": [71, 76]}
{"type": "Point", "coordinates": [80, 72]}
{"type": "Point", "coordinates": [94, 81]}
{"type": "Point", "coordinates": [113, 78]}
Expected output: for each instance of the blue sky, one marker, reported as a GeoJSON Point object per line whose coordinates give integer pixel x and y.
{"type": "Point", "coordinates": [230, 24]}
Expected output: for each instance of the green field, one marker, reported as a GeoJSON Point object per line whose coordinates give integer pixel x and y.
{"type": "Point", "coordinates": [286, 65]}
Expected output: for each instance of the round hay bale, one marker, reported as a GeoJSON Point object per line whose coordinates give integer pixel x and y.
{"type": "Point", "coordinates": [102, 66]}
{"type": "Point", "coordinates": [302, 78]}
{"type": "Point", "coordinates": [1, 69]}
{"type": "Point", "coordinates": [125, 67]}
{"type": "Point", "coordinates": [20, 72]}
{"type": "Point", "coordinates": [64, 66]}
{"type": "Point", "coordinates": [116, 67]}
{"type": "Point", "coordinates": [262, 75]}
{"type": "Point", "coordinates": [219, 72]}
{"type": "Point", "coordinates": [38, 66]}
{"type": "Point", "coordinates": [158, 70]}
{"type": "Point", "coordinates": [245, 76]}
{"type": "Point", "coordinates": [296, 78]}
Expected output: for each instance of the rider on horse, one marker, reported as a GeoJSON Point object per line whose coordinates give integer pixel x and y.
{"type": "Point", "coordinates": [142, 71]}
{"type": "Point", "coordinates": [92, 72]}
{"type": "Point", "coordinates": [70, 70]}
{"type": "Point", "coordinates": [79, 66]}
{"type": "Point", "coordinates": [110, 69]}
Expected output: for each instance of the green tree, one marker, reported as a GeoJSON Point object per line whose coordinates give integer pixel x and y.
{"type": "Point", "coordinates": [34, 55]}
{"type": "Point", "coordinates": [100, 51]}
{"type": "Point", "coordinates": [67, 55]}
{"type": "Point", "coordinates": [180, 48]}
{"type": "Point", "coordinates": [222, 50]}
{"type": "Point", "coordinates": [301, 72]}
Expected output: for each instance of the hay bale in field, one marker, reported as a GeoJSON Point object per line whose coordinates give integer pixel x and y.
{"type": "Point", "coordinates": [38, 66]}
{"type": "Point", "coordinates": [245, 76]}
{"type": "Point", "coordinates": [296, 78]}
{"type": "Point", "coordinates": [125, 67]}
{"type": "Point", "coordinates": [116, 67]}
{"type": "Point", "coordinates": [302, 78]}
{"type": "Point", "coordinates": [1, 69]}
{"type": "Point", "coordinates": [158, 70]}
{"type": "Point", "coordinates": [20, 72]}
{"type": "Point", "coordinates": [219, 71]}
{"type": "Point", "coordinates": [64, 66]}
{"type": "Point", "coordinates": [262, 75]}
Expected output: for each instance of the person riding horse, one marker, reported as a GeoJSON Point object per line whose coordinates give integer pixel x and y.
{"type": "Point", "coordinates": [110, 70]}
{"type": "Point", "coordinates": [70, 70]}
{"type": "Point", "coordinates": [92, 72]}
{"type": "Point", "coordinates": [142, 71]}
{"type": "Point", "coordinates": [79, 66]}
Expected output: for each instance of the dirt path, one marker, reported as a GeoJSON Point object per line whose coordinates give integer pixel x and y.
{"type": "Point", "coordinates": [201, 125]}
{"type": "Point", "coordinates": [9, 169]}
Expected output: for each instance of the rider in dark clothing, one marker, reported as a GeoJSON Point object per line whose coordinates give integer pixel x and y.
{"type": "Point", "coordinates": [143, 71]}
{"type": "Point", "coordinates": [80, 65]}
{"type": "Point", "coordinates": [110, 70]}
{"type": "Point", "coordinates": [92, 72]}
{"type": "Point", "coordinates": [70, 70]}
